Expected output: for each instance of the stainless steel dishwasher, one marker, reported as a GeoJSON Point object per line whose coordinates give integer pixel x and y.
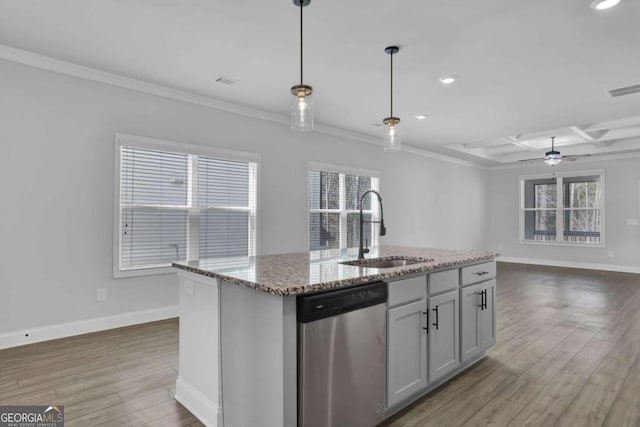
{"type": "Point", "coordinates": [341, 357]}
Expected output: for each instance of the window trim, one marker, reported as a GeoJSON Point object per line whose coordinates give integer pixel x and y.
{"type": "Point", "coordinates": [346, 170]}
{"type": "Point", "coordinates": [560, 225]}
{"type": "Point", "coordinates": [149, 143]}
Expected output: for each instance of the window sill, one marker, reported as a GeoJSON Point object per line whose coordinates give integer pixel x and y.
{"type": "Point", "coordinates": [569, 244]}
{"type": "Point", "coordinates": [139, 272]}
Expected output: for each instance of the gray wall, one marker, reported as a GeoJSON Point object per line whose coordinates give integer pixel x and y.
{"type": "Point", "coordinates": [57, 173]}
{"type": "Point", "coordinates": [622, 178]}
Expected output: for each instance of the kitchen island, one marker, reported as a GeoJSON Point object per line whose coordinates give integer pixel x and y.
{"type": "Point", "coordinates": [238, 326]}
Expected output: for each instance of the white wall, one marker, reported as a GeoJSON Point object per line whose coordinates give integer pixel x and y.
{"type": "Point", "coordinates": [622, 187]}
{"type": "Point", "coordinates": [56, 183]}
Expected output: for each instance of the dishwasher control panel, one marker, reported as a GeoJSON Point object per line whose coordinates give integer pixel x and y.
{"type": "Point", "coordinates": [332, 303]}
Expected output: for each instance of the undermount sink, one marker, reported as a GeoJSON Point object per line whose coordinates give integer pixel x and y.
{"type": "Point", "coordinates": [386, 263]}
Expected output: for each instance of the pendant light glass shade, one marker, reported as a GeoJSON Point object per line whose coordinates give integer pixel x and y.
{"type": "Point", "coordinates": [301, 103]}
{"type": "Point", "coordinates": [301, 108]}
{"type": "Point", "coordinates": [392, 137]}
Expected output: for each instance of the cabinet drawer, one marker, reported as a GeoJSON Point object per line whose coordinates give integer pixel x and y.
{"type": "Point", "coordinates": [443, 281]}
{"type": "Point", "coordinates": [406, 290]}
{"type": "Point", "coordinates": [478, 273]}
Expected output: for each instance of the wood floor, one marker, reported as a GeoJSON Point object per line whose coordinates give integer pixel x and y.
{"type": "Point", "coordinates": [567, 355]}
{"type": "Point", "coordinates": [121, 377]}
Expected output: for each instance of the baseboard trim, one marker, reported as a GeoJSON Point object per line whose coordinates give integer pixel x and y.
{"type": "Point", "coordinates": [207, 411]}
{"type": "Point", "coordinates": [79, 327]}
{"type": "Point", "coordinates": [571, 264]}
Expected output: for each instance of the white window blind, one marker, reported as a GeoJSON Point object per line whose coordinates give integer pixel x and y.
{"type": "Point", "coordinates": [179, 206]}
{"type": "Point", "coordinates": [334, 199]}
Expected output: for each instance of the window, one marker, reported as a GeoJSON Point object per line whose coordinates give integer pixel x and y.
{"type": "Point", "coordinates": [334, 198]}
{"type": "Point", "coordinates": [178, 203]}
{"type": "Point", "coordinates": [563, 208]}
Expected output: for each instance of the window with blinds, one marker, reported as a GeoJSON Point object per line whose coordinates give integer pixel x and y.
{"type": "Point", "coordinates": [180, 206]}
{"type": "Point", "coordinates": [334, 202]}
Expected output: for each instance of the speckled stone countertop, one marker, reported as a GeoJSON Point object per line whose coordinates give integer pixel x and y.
{"type": "Point", "coordinates": [307, 272]}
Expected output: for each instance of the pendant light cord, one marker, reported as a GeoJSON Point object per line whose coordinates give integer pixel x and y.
{"type": "Point", "coordinates": [301, 42]}
{"type": "Point", "coordinates": [553, 140]}
{"type": "Point", "coordinates": [391, 84]}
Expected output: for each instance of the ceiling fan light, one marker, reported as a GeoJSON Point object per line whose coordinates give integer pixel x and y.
{"type": "Point", "coordinates": [552, 158]}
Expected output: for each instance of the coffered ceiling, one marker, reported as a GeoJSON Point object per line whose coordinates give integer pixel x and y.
{"type": "Point", "coordinates": [527, 69]}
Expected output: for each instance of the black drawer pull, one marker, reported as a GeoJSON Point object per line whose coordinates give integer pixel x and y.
{"type": "Point", "coordinates": [484, 299]}
{"type": "Point", "coordinates": [481, 273]}
{"type": "Point", "coordinates": [426, 313]}
{"type": "Point", "coordinates": [481, 293]}
{"type": "Point", "coordinates": [437, 318]}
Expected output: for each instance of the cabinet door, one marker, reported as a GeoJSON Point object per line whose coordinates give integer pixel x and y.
{"type": "Point", "coordinates": [487, 317]}
{"type": "Point", "coordinates": [470, 301]}
{"type": "Point", "coordinates": [444, 338]}
{"type": "Point", "coordinates": [407, 351]}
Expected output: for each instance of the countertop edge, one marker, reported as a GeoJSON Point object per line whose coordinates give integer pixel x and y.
{"type": "Point", "coordinates": [323, 286]}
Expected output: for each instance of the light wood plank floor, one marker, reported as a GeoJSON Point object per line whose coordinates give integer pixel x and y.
{"type": "Point", "coordinates": [567, 355]}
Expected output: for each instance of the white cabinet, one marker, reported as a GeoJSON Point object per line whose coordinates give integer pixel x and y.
{"type": "Point", "coordinates": [407, 351]}
{"type": "Point", "coordinates": [443, 334]}
{"type": "Point", "coordinates": [478, 328]}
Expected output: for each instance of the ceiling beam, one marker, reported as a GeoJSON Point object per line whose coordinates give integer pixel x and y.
{"type": "Point", "coordinates": [585, 136]}
{"type": "Point", "coordinates": [514, 140]}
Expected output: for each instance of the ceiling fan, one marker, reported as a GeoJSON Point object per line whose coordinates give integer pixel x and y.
{"type": "Point", "coordinates": [553, 157]}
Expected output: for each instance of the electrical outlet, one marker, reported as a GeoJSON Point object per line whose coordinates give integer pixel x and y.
{"type": "Point", "coordinates": [500, 248]}
{"type": "Point", "coordinates": [189, 287]}
{"type": "Point", "coordinates": [102, 294]}
{"type": "Point", "coordinates": [611, 254]}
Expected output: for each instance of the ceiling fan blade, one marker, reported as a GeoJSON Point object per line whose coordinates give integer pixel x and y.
{"type": "Point", "coordinates": [573, 158]}
{"type": "Point", "coordinates": [531, 160]}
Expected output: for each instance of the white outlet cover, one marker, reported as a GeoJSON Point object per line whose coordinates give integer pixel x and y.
{"type": "Point", "coordinates": [101, 294]}
{"type": "Point", "coordinates": [189, 287]}
{"type": "Point", "coordinates": [611, 254]}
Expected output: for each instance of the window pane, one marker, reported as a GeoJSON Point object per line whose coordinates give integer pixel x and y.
{"type": "Point", "coordinates": [582, 225]}
{"type": "Point", "coordinates": [353, 229]}
{"type": "Point", "coordinates": [583, 192]}
{"type": "Point", "coordinates": [223, 182]}
{"type": "Point", "coordinates": [153, 177]}
{"type": "Point", "coordinates": [152, 236]}
{"type": "Point", "coordinates": [223, 233]}
{"type": "Point", "coordinates": [540, 225]}
{"type": "Point", "coordinates": [324, 190]}
{"type": "Point", "coordinates": [354, 187]}
{"type": "Point", "coordinates": [324, 230]}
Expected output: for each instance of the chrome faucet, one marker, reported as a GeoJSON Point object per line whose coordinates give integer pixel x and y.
{"type": "Point", "coordinates": [362, 250]}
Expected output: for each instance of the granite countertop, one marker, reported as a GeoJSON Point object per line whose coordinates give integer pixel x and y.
{"type": "Point", "coordinates": [307, 272]}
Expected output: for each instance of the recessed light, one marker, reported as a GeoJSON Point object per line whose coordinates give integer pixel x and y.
{"type": "Point", "coordinates": [421, 116]}
{"type": "Point", "coordinates": [447, 80]}
{"type": "Point", "coordinates": [604, 4]}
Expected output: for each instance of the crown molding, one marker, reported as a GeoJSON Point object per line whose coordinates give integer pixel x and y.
{"type": "Point", "coordinates": [95, 75]}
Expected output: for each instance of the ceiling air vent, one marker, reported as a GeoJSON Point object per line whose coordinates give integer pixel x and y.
{"type": "Point", "coordinates": [622, 91]}
{"type": "Point", "coordinates": [227, 81]}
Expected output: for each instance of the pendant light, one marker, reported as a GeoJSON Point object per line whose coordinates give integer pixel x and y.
{"type": "Point", "coordinates": [392, 140]}
{"type": "Point", "coordinates": [302, 105]}
{"type": "Point", "coordinates": [553, 157]}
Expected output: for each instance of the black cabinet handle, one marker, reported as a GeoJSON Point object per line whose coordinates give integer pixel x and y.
{"type": "Point", "coordinates": [482, 273]}
{"type": "Point", "coordinates": [481, 293]}
{"type": "Point", "coordinates": [426, 313]}
{"type": "Point", "coordinates": [485, 299]}
{"type": "Point", "coordinates": [437, 318]}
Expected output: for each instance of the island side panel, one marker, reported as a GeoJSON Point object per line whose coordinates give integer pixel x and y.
{"type": "Point", "coordinates": [259, 363]}
{"type": "Point", "coordinates": [198, 385]}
